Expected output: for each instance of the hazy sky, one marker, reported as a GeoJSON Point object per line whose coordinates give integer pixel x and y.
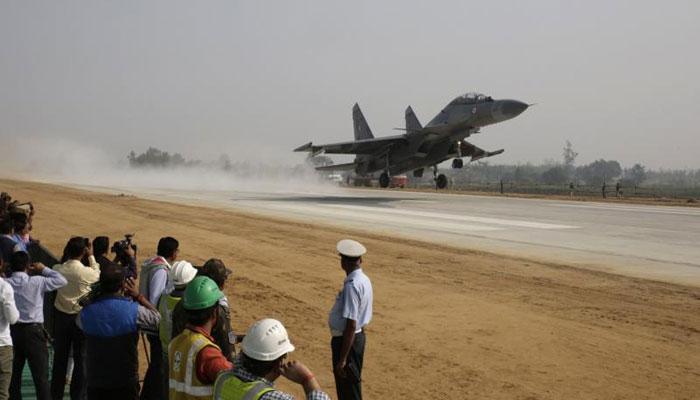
{"type": "Point", "coordinates": [619, 79]}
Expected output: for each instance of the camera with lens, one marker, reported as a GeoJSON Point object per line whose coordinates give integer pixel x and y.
{"type": "Point", "coordinates": [120, 248]}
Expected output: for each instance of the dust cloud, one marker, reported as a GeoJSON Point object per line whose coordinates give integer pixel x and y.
{"type": "Point", "coordinates": [61, 161]}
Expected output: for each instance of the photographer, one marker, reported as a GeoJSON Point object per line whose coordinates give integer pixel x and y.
{"type": "Point", "coordinates": [29, 338]}
{"type": "Point", "coordinates": [66, 308]}
{"type": "Point", "coordinates": [124, 253]}
{"type": "Point", "coordinates": [111, 322]}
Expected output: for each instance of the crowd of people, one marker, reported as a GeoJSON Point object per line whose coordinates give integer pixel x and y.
{"type": "Point", "coordinates": [100, 311]}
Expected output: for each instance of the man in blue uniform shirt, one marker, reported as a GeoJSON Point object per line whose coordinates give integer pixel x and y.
{"type": "Point", "coordinates": [351, 312]}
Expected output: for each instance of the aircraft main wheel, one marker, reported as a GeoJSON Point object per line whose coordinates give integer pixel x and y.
{"type": "Point", "coordinates": [441, 181]}
{"type": "Point", "coordinates": [457, 163]}
{"type": "Point", "coordinates": [384, 180]}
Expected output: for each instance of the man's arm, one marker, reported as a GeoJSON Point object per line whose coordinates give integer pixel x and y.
{"type": "Point", "coordinates": [222, 333]}
{"type": "Point", "coordinates": [52, 279]}
{"type": "Point", "coordinates": [351, 313]}
{"type": "Point", "coordinates": [297, 372]}
{"type": "Point", "coordinates": [210, 361]}
{"type": "Point", "coordinates": [9, 309]}
{"type": "Point", "coordinates": [147, 318]}
{"type": "Point", "coordinates": [157, 285]}
{"type": "Point", "coordinates": [92, 263]}
{"type": "Point", "coordinates": [348, 340]}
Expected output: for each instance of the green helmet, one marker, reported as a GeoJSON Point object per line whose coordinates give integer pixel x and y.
{"type": "Point", "coordinates": [201, 293]}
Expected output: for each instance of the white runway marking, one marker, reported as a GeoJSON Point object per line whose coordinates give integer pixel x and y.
{"type": "Point", "coordinates": [639, 209]}
{"type": "Point", "coordinates": [357, 215]}
{"type": "Point", "coordinates": [415, 219]}
{"type": "Point", "coordinates": [455, 217]}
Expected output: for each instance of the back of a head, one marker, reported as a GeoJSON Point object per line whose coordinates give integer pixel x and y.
{"type": "Point", "coordinates": [75, 248]}
{"type": "Point", "coordinates": [100, 245]}
{"type": "Point", "coordinates": [266, 340]}
{"type": "Point", "coordinates": [19, 261]}
{"type": "Point", "coordinates": [200, 300]}
{"type": "Point", "coordinates": [215, 269]}
{"type": "Point", "coordinates": [182, 273]}
{"type": "Point", "coordinates": [19, 224]}
{"type": "Point", "coordinates": [112, 277]}
{"type": "Point", "coordinates": [167, 246]}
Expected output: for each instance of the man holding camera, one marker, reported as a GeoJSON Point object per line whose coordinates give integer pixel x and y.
{"type": "Point", "coordinates": [124, 253]}
{"type": "Point", "coordinates": [111, 322]}
{"type": "Point", "coordinates": [66, 333]}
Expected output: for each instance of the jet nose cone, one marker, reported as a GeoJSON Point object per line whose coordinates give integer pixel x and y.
{"type": "Point", "coordinates": [513, 108]}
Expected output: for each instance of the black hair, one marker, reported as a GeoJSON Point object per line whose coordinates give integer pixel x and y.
{"type": "Point", "coordinates": [112, 277]}
{"type": "Point", "coordinates": [349, 260]}
{"type": "Point", "coordinates": [216, 270]}
{"type": "Point", "coordinates": [100, 245]}
{"type": "Point", "coordinates": [257, 367]}
{"type": "Point", "coordinates": [167, 246]}
{"type": "Point", "coordinates": [200, 317]}
{"type": "Point", "coordinates": [19, 224]}
{"type": "Point", "coordinates": [6, 226]}
{"type": "Point", "coordinates": [75, 248]}
{"type": "Point", "coordinates": [19, 261]}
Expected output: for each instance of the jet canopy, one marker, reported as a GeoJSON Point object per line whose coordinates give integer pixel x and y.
{"type": "Point", "coordinates": [471, 98]}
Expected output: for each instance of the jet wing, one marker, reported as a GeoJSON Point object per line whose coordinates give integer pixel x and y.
{"type": "Point", "coordinates": [476, 153]}
{"type": "Point", "coordinates": [364, 146]}
{"type": "Point", "coordinates": [338, 167]}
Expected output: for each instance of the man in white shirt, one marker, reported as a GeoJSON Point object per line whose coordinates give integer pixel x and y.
{"type": "Point", "coordinates": [351, 312]}
{"type": "Point", "coordinates": [8, 316]}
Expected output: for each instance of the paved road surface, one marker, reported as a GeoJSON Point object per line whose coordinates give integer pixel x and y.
{"type": "Point", "coordinates": [655, 242]}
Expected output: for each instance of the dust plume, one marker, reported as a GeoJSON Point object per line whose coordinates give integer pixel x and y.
{"type": "Point", "coordinates": [79, 164]}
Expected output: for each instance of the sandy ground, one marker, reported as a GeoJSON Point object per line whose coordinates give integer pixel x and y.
{"type": "Point", "coordinates": [448, 323]}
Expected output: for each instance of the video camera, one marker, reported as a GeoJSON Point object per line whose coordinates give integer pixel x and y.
{"type": "Point", "coordinates": [120, 247]}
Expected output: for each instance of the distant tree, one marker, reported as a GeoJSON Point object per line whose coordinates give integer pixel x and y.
{"type": "Point", "coordinates": [556, 175]}
{"type": "Point", "coordinates": [154, 157]}
{"type": "Point", "coordinates": [224, 162]}
{"type": "Point", "coordinates": [635, 175]}
{"type": "Point", "coordinates": [569, 156]}
{"type": "Point", "coordinates": [599, 171]}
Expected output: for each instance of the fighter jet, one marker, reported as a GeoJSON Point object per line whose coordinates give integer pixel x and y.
{"type": "Point", "coordinates": [421, 146]}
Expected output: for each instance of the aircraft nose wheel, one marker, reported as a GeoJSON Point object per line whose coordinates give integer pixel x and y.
{"type": "Point", "coordinates": [384, 180]}
{"type": "Point", "coordinates": [441, 181]}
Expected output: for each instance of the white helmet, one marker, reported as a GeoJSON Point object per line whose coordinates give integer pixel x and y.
{"type": "Point", "coordinates": [182, 273]}
{"type": "Point", "coordinates": [266, 340]}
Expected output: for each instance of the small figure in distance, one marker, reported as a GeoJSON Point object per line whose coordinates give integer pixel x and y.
{"type": "Point", "coordinates": [264, 359]}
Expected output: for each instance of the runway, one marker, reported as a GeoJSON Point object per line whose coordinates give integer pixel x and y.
{"type": "Point", "coordinates": [655, 242]}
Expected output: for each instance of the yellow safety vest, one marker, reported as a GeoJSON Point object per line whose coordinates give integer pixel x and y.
{"type": "Point", "coordinates": [166, 307]}
{"type": "Point", "coordinates": [182, 358]}
{"type": "Point", "coordinates": [230, 387]}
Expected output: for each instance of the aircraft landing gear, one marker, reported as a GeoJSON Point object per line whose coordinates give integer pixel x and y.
{"type": "Point", "coordinates": [457, 163]}
{"type": "Point", "coordinates": [384, 180]}
{"type": "Point", "coordinates": [440, 180]}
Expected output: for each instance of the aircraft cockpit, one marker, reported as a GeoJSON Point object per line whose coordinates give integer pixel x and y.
{"type": "Point", "coordinates": [471, 98]}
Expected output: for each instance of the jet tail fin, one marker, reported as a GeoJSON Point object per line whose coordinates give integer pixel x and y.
{"type": "Point", "coordinates": [412, 123]}
{"type": "Point", "coordinates": [362, 130]}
